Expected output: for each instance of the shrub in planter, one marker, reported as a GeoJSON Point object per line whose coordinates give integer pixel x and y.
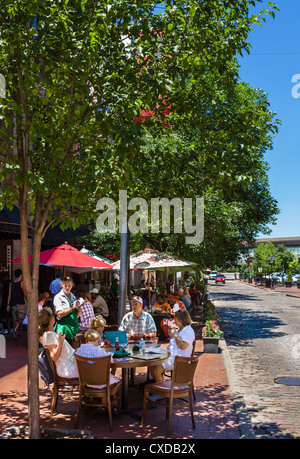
{"type": "Point", "coordinates": [211, 334]}
{"type": "Point", "coordinates": [289, 280]}
{"type": "Point", "coordinates": [209, 311]}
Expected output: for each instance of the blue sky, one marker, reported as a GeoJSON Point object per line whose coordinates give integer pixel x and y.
{"type": "Point", "coordinates": [273, 60]}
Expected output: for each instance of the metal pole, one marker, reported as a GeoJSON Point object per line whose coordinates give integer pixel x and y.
{"type": "Point", "coordinates": [123, 272]}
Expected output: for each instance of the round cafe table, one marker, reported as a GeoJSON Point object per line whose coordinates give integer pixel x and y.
{"type": "Point", "coordinates": [134, 363]}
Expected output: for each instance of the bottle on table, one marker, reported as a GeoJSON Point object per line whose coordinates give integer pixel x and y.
{"type": "Point", "coordinates": [142, 346]}
{"type": "Point", "coordinates": [117, 344]}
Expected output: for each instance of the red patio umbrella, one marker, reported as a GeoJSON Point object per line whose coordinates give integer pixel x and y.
{"type": "Point", "coordinates": [69, 258]}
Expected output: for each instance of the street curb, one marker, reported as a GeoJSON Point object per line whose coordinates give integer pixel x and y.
{"type": "Point", "coordinates": [261, 287]}
{"type": "Point", "coordinates": [243, 418]}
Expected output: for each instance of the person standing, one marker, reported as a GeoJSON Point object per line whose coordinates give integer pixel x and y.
{"type": "Point", "coordinates": [67, 311]}
{"type": "Point", "coordinates": [4, 314]}
{"type": "Point", "coordinates": [55, 286]}
{"type": "Point", "coordinates": [16, 301]}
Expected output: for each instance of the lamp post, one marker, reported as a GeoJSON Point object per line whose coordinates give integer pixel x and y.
{"type": "Point", "coordinates": [271, 261]}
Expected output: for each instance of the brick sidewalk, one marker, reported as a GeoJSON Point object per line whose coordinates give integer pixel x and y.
{"type": "Point", "coordinates": [290, 291]}
{"type": "Point", "coordinates": [214, 409]}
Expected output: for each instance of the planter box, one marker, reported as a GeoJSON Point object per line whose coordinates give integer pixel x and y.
{"type": "Point", "coordinates": [298, 285]}
{"type": "Point", "coordinates": [211, 345]}
{"type": "Point", "coordinates": [288, 284]}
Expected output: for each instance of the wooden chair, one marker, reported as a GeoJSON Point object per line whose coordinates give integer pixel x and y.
{"type": "Point", "coordinates": [96, 372]}
{"type": "Point", "coordinates": [171, 371]}
{"type": "Point", "coordinates": [58, 383]}
{"type": "Point", "coordinates": [178, 387]}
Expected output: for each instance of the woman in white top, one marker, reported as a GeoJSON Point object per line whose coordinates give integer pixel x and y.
{"type": "Point", "coordinates": [60, 350]}
{"type": "Point", "coordinates": [181, 343]}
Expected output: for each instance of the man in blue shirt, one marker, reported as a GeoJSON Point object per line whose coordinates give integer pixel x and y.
{"type": "Point", "coordinates": [183, 298]}
{"type": "Point", "coordinates": [55, 286]}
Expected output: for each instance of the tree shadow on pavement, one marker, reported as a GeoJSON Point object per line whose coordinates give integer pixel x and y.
{"type": "Point", "coordinates": [222, 296]}
{"type": "Point", "coordinates": [243, 325]}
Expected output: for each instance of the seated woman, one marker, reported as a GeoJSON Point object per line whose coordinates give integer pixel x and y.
{"type": "Point", "coordinates": [169, 323]}
{"type": "Point", "coordinates": [61, 351]}
{"type": "Point", "coordinates": [161, 305]}
{"type": "Point", "coordinates": [181, 343]}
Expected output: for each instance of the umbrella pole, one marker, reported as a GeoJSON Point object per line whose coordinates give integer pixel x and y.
{"type": "Point", "coordinates": [123, 273]}
{"type": "Point", "coordinates": [149, 298]}
{"type": "Point", "coordinates": [165, 280]}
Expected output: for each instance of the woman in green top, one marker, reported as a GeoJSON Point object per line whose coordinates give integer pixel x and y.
{"type": "Point", "coordinates": [66, 310]}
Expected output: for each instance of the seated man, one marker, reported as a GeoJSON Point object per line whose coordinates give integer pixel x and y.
{"type": "Point", "coordinates": [196, 295]}
{"type": "Point", "coordinates": [183, 298]}
{"type": "Point", "coordinates": [99, 303]}
{"type": "Point", "coordinates": [193, 290]}
{"type": "Point", "coordinates": [137, 320]}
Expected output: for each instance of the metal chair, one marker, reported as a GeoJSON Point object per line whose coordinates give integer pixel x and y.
{"type": "Point", "coordinates": [58, 383]}
{"type": "Point", "coordinates": [96, 372]}
{"type": "Point", "coordinates": [181, 385]}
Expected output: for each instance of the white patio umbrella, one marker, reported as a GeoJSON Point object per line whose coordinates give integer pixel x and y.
{"type": "Point", "coordinates": [156, 261]}
{"type": "Point", "coordinates": [92, 254]}
{"type": "Point", "coordinates": [152, 260]}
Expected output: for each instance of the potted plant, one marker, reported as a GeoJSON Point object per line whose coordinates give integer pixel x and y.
{"type": "Point", "coordinates": [289, 279]}
{"type": "Point", "coordinates": [298, 281]}
{"type": "Point", "coordinates": [211, 334]}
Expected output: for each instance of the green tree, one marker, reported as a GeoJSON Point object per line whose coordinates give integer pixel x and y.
{"type": "Point", "coordinates": [263, 255]}
{"type": "Point", "coordinates": [76, 75]}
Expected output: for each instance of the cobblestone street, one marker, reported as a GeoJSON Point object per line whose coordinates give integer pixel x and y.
{"type": "Point", "coordinates": [262, 332]}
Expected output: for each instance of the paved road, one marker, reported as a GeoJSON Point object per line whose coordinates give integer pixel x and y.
{"type": "Point", "coordinates": [262, 332]}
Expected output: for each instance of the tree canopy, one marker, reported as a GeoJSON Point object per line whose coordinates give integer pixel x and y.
{"type": "Point", "coordinates": [77, 75]}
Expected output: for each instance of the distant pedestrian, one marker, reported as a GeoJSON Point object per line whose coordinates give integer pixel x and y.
{"type": "Point", "coordinates": [55, 286]}
{"type": "Point", "coordinates": [17, 301]}
{"type": "Point", "coordinates": [5, 315]}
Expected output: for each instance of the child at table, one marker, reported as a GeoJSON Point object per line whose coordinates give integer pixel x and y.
{"type": "Point", "coordinates": [92, 349]}
{"type": "Point", "coordinates": [98, 324]}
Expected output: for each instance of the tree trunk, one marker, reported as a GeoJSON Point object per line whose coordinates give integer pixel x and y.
{"type": "Point", "coordinates": [33, 343]}
{"type": "Point", "coordinates": [31, 277]}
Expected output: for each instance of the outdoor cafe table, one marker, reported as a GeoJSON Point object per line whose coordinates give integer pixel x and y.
{"type": "Point", "coordinates": [132, 362]}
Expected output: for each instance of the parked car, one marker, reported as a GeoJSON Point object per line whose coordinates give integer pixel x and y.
{"type": "Point", "coordinates": [278, 276]}
{"type": "Point", "coordinates": [296, 278]}
{"type": "Point", "coordinates": [220, 278]}
{"type": "Point", "coordinates": [213, 274]}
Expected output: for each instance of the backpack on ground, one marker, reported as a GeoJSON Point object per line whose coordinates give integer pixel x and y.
{"type": "Point", "coordinates": [45, 370]}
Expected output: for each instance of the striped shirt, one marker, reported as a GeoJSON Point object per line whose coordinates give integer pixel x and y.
{"type": "Point", "coordinates": [143, 324]}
